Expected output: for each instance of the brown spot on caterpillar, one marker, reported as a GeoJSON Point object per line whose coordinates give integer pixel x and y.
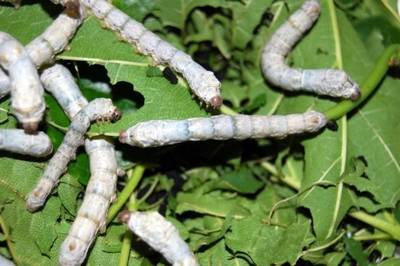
{"type": "Point", "coordinates": [72, 246]}
{"type": "Point", "coordinates": [216, 102]}
{"type": "Point", "coordinates": [72, 9]}
{"type": "Point", "coordinates": [124, 216]}
{"type": "Point", "coordinates": [30, 127]}
{"type": "Point", "coordinates": [122, 136]}
{"type": "Point", "coordinates": [355, 95]}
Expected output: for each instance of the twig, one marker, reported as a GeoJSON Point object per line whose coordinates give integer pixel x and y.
{"type": "Point", "coordinates": [135, 177]}
{"type": "Point", "coordinates": [370, 84]}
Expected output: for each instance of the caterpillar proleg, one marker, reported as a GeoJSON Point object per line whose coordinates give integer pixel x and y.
{"type": "Point", "coordinates": [203, 83]}
{"type": "Point", "coordinates": [221, 127]}
{"type": "Point", "coordinates": [17, 141]}
{"type": "Point", "coordinates": [329, 82]}
{"type": "Point", "coordinates": [91, 216]}
{"type": "Point", "coordinates": [161, 235]}
{"type": "Point", "coordinates": [27, 102]}
{"type": "Point", "coordinates": [100, 191]}
{"type": "Point", "coordinates": [98, 109]}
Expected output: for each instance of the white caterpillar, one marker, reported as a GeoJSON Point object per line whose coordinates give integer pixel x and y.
{"type": "Point", "coordinates": [27, 102]}
{"type": "Point", "coordinates": [54, 39]}
{"type": "Point", "coordinates": [203, 83]}
{"type": "Point", "coordinates": [92, 214]}
{"type": "Point", "coordinates": [17, 141]}
{"type": "Point", "coordinates": [43, 48]}
{"type": "Point", "coordinates": [220, 127]}
{"type": "Point", "coordinates": [330, 82]}
{"type": "Point", "coordinates": [60, 83]}
{"type": "Point", "coordinates": [98, 109]}
{"type": "Point", "coordinates": [100, 191]}
{"type": "Point", "coordinates": [161, 235]}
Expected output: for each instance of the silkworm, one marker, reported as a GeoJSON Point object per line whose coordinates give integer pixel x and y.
{"type": "Point", "coordinates": [98, 109]}
{"type": "Point", "coordinates": [161, 235]}
{"type": "Point", "coordinates": [27, 102]}
{"type": "Point", "coordinates": [91, 216]}
{"type": "Point", "coordinates": [203, 83]}
{"type": "Point", "coordinates": [54, 39]}
{"type": "Point", "coordinates": [5, 262]}
{"type": "Point", "coordinates": [100, 191]}
{"type": "Point", "coordinates": [43, 48]}
{"type": "Point", "coordinates": [61, 84]}
{"type": "Point", "coordinates": [17, 141]}
{"type": "Point", "coordinates": [331, 82]}
{"type": "Point", "coordinates": [155, 133]}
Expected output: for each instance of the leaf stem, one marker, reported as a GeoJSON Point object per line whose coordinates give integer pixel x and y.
{"type": "Point", "coordinates": [227, 110]}
{"type": "Point", "coordinates": [369, 85]}
{"type": "Point", "coordinates": [125, 249]}
{"type": "Point", "coordinates": [369, 237]}
{"type": "Point", "coordinates": [134, 178]}
{"type": "Point", "coordinates": [392, 229]}
{"type": "Point", "coordinates": [9, 241]}
{"type": "Point", "coordinates": [127, 239]}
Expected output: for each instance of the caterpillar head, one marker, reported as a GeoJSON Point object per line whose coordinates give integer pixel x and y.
{"type": "Point", "coordinates": [124, 216]}
{"type": "Point", "coordinates": [102, 109]}
{"type": "Point", "coordinates": [210, 90]}
{"type": "Point", "coordinates": [314, 121]}
{"type": "Point", "coordinates": [30, 127]}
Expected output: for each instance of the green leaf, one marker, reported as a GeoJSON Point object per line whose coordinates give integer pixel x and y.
{"type": "Point", "coordinates": [175, 12]}
{"type": "Point", "coordinates": [373, 135]}
{"type": "Point", "coordinates": [266, 244]}
{"type": "Point", "coordinates": [68, 191]}
{"type": "Point", "coordinates": [42, 225]}
{"type": "Point", "coordinates": [390, 262]}
{"type": "Point", "coordinates": [17, 178]}
{"type": "Point", "coordinates": [205, 204]}
{"type": "Point", "coordinates": [246, 16]}
{"type": "Point", "coordinates": [354, 248]}
{"type": "Point", "coordinates": [241, 180]}
{"type": "Point", "coordinates": [218, 254]}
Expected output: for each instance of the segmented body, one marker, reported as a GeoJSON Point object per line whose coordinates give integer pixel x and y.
{"type": "Point", "coordinates": [53, 40]}
{"type": "Point", "coordinates": [221, 127]}
{"type": "Point", "coordinates": [92, 214]}
{"type": "Point", "coordinates": [17, 141]}
{"type": "Point", "coordinates": [61, 84]}
{"type": "Point", "coordinates": [203, 83]}
{"type": "Point", "coordinates": [100, 191]}
{"type": "Point", "coordinates": [98, 109]}
{"type": "Point", "coordinates": [42, 49]}
{"type": "Point", "coordinates": [27, 102]}
{"type": "Point", "coordinates": [329, 82]}
{"type": "Point", "coordinates": [161, 235]}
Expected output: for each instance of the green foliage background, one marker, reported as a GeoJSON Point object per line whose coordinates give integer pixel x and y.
{"type": "Point", "coordinates": [324, 199]}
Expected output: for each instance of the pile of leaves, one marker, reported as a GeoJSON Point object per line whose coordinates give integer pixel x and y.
{"type": "Point", "coordinates": [331, 198]}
